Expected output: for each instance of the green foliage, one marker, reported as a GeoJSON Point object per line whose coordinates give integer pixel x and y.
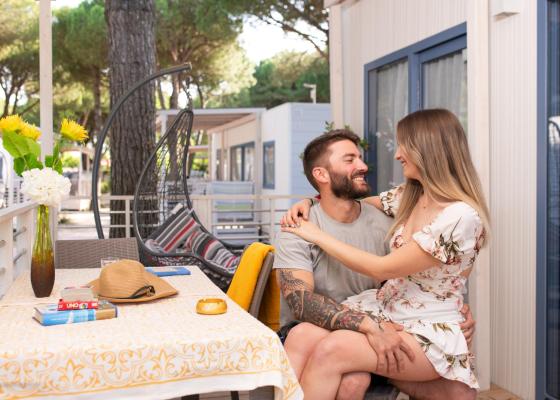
{"type": "Point", "coordinates": [306, 18]}
{"type": "Point", "coordinates": [69, 161]}
{"type": "Point", "coordinates": [19, 55]}
{"type": "Point", "coordinates": [280, 80]}
{"type": "Point", "coordinates": [204, 34]}
{"type": "Point", "coordinates": [80, 55]}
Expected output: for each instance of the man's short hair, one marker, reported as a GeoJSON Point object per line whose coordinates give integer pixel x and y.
{"type": "Point", "coordinates": [317, 152]}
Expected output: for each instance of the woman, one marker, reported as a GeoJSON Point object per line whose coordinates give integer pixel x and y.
{"type": "Point", "coordinates": [440, 222]}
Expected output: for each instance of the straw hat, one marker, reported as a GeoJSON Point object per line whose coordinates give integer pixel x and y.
{"type": "Point", "coordinates": [126, 281]}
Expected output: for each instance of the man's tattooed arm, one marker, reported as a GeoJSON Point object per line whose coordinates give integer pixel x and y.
{"type": "Point", "coordinates": [315, 308]}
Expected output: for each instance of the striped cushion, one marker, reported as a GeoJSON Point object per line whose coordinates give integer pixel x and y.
{"type": "Point", "coordinates": [174, 231]}
{"type": "Point", "coordinates": [209, 248]}
{"type": "Point", "coordinates": [182, 233]}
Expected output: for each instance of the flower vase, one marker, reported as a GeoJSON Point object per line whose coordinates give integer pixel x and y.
{"type": "Point", "coordinates": [42, 259]}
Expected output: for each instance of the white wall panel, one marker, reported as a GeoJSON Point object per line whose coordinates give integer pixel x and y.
{"type": "Point", "coordinates": [513, 77]}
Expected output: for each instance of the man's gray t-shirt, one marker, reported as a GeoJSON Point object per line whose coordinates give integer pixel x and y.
{"type": "Point", "coordinates": [333, 279]}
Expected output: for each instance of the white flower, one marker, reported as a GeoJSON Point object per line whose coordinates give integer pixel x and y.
{"type": "Point", "coordinates": [45, 186]}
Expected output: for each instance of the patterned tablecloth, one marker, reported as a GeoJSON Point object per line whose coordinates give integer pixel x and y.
{"type": "Point", "coordinates": [155, 350]}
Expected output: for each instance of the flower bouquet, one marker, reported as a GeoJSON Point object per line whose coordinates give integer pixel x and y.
{"type": "Point", "coordinates": [42, 183]}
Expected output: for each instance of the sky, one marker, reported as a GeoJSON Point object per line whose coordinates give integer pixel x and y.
{"type": "Point", "coordinates": [260, 40]}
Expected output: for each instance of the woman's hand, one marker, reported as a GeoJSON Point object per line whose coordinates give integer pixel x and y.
{"type": "Point", "coordinates": [306, 230]}
{"type": "Point", "coordinates": [296, 212]}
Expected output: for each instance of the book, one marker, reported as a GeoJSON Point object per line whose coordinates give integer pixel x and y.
{"type": "Point", "coordinates": [48, 314]}
{"type": "Point", "coordinates": [168, 271]}
{"type": "Point", "coordinates": [77, 305]}
{"type": "Point", "coordinates": [78, 293]}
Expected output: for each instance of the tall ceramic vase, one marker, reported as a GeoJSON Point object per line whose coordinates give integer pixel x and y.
{"type": "Point", "coordinates": [42, 260]}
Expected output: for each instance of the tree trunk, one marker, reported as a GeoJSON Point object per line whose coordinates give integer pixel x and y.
{"type": "Point", "coordinates": [174, 99]}
{"type": "Point", "coordinates": [131, 28]}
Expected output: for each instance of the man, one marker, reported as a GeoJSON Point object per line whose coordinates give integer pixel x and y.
{"type": "Point", "coordinates": [313, 284]}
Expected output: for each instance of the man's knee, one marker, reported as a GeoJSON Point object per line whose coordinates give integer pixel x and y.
{"type": "Point", "coordinates": [353, 386]}
{"type": "Point", "coordinates": [299, 338]}
{"type": "Point", "coordinates": [328, 353]}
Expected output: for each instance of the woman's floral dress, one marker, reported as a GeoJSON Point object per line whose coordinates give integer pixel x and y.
{"type": "Point", "coordinates": [427, 303]}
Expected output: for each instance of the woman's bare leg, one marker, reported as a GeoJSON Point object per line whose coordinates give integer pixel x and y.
{"type": "Point", "coordinates": [345, 351]}
{"type": "Point", "coordinates": [299, 346]}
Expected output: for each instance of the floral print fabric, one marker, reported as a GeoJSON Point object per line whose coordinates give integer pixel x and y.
{"type": "Point", "coordinates": [427, 303]}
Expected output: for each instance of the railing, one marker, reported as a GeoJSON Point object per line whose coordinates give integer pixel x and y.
{"type": "Point", "coordinates": [16, 241]}
{"type": "Point", "coordinates": [259, 215]}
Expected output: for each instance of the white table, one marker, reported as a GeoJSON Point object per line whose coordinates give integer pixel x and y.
{"type": "Point", "coordinates": [154, 350]}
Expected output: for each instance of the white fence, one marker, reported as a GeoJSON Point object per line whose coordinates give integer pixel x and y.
{"type": "Point", "coordinates": [230, 217]}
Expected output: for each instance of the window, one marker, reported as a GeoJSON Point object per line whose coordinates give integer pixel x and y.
{"type": "Point", "coordinates": [268, 165]}
{"type": "Point", "coordinates": [429, 74]}
{"type": "Point", "coordinates": [242, 162]}
{"type": "Point", "coordinates": [548, 202]}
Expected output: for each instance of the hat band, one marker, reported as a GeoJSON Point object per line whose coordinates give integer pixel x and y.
{"type": "Point", "coordinates": [147, 291]}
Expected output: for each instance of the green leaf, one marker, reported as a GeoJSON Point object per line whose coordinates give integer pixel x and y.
{"type": "Point", "coordinates": [15, 144]}
{"type": "Point", "coordinates": [20, 146]}
{"type": "Point", "coordinates": [33, 162]}
{"type": "Point", "coordinates": [34, 147]}
{"type": "Point", "coordinates": [19, 165]}
{"type": "Point", "coordinates": [49, 161]}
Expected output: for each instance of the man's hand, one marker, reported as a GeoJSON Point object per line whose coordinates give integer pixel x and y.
{"type": "Point", "coordinates": [390, 347]}
{"type": "Point", "coordinates": [468, 326]}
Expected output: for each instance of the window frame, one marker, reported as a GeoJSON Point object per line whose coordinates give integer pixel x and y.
{"type": "Point", "coordinates": [269, 185]}
{"type": "Point", "coordinates": [433, 47]}
{"type": "Point", "coordinates": [232, 150]}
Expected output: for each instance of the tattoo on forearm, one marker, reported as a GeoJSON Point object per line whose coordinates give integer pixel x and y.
{"type": "Point", "coordinates": [315, 308]}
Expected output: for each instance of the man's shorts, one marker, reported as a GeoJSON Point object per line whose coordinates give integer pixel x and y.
{"type": "Point", "coordinates": [283, 332]}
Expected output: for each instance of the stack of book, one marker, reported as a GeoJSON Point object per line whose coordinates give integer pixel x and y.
{"type": "Point", "coordinates": [77, 304]}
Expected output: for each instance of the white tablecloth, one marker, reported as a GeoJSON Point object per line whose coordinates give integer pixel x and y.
{"type": "Point", "coordinates": [154, 350]}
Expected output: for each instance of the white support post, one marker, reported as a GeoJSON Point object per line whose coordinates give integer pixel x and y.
{"type": "Point", "coordinates": [127, 217]}
{"type": "Point", "coordinates": [45, 76]}
{"type": "Point", "coordinates": [336, 64]}
{"type": "Point", "coordinates": [46, 89]}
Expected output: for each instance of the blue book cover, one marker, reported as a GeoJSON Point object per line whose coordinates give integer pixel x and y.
{"type": "Point", "coordinates": [168, 271]}
{"type": "Point", "coordinates": [48, 314]}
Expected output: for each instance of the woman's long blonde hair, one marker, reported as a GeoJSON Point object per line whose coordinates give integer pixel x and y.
{"type": "Point", "coordinates": [436, 143]}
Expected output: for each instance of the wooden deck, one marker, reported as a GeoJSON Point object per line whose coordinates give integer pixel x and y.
{"type": "Point", "coordinates": [497, 393]}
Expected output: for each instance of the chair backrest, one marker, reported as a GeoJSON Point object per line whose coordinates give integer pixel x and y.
{"type": "Point", "coordinates": [88, 253]}
{"type": "Point", "coordinates": [162, 185]}
{"type": "Point", "coordinates": [262, 280]}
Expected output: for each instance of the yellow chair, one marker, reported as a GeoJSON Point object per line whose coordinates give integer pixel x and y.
{"type": "Point", "coordinates": [254, 287]}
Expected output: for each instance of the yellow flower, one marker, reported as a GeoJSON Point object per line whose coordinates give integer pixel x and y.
{"type": "Point", "coordinates": [30, 131]}
{"type": "Point", "coordinates": [11, 123]}
{"type": "Point", "coordinates": [73, 131]}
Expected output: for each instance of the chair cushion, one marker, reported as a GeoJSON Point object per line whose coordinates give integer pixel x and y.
{"type": "Point", "coordinates": [211, 249]}
{"type": "Point", "coordinates": [173, 232]}
{"type": "Point", "coordinates": [181, 233]}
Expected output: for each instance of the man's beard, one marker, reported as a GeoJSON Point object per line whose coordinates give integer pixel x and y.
{"type": "Point", "coordinates": [344, 188]}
